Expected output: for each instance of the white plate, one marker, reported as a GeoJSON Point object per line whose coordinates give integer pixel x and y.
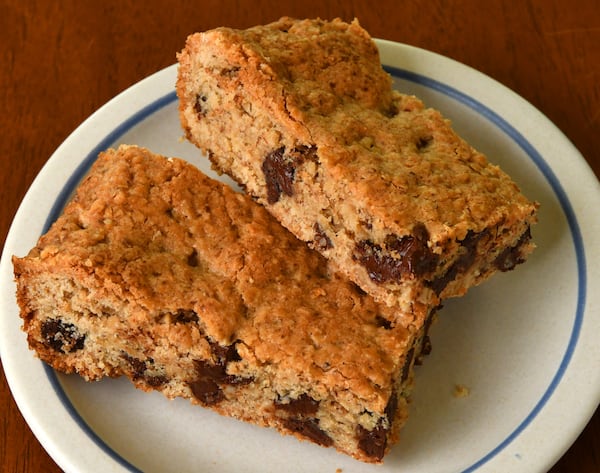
{"type": "Point", "coordinates": [524, 343]}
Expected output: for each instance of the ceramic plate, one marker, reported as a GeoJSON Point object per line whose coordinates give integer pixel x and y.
{"type": "Point", "coordinates": [523, 345]}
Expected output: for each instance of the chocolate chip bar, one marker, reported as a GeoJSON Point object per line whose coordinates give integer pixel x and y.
{"type": "Point", "coordinates": [156, 272]}
{"type": "Point", "coordinates": [302, 115]}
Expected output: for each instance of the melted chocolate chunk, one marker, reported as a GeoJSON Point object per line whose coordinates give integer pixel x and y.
{"type": "Point", "coordinates": [224, 354]}
{"type": "Point", "coordinates": [62, 337]}
{"type": "Point", "coordinates": [391, 111]}
{"type": "Point", "coordinates": [218, 373]}
{"type": "Point", "coordinates": [206, 386]}
{"type": "Point", "coordinates": [138, 367]}
{"type": "Point", "coordinates": [302, 406]}
{"type": "Point", "coordinates": [462, 263]}
{"type": "Point", "coordinates": [279, 168]}
{"type": "Point", "coordinates": [383, 322]}
{"type": "Point", "coordinates": [192, 259]}
{"type": "Point", "coordinates": [279, 173]}
{"type": "Point", "coordinates": [301, 412]}
{"type": "Point", "coordinates": [310, 429]}
{"type": "Point", "coordinates": [380, 267]}
{"type": "Point", "coordinates": [207, 391]}
{"type": "Point", "coordinates": [372, 442]}
{"type": "Point", "coordinates": [210, 376]}
{"type": "Point", "coordinates": [321, 241]}
{"type": "Point", "coordinates": [138, 371]}
{"type": "Point", "coordinates": [206, 370]}
{"type": "Point", "coordinates": [400, 256]}
{"type": "Point", "coordinates": [511, 257]}
{"type": "Point", "coordinates": [413, 250]}
{"type": "Point", "coordinates": [185, 316]}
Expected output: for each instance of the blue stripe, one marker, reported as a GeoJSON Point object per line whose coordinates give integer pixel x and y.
{"type": "Point", "coordinates": [445, 89]}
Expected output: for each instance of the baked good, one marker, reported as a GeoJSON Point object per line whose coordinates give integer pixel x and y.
{"type": "Point", "coordinates": [156, 272]}
{"type": "Point", "coordinates": [302, 115]}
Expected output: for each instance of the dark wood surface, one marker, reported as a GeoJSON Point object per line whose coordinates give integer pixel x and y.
{"type": "Point", "coordinates": [60, 61]}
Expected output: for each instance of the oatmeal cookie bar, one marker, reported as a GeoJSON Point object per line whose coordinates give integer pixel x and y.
{"type": "Point", "coordinates": [156, 272]}
{"type": "Point", "coordinates": [301, 114]}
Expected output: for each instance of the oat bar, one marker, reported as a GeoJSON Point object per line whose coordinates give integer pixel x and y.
{"type": "Point", "coordinates": [158, 273]}
{"type": "Point", "coordinates": [301, 114]}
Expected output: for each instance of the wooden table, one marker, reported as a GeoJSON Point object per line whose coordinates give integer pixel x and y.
{"type": "Point", "coordinates": [60, 61]}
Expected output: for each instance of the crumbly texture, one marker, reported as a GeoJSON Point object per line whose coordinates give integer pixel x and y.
{"type": "Point", "coordinates": [158, 273]}
{"type": "Point", "coordinates": [302, 115]}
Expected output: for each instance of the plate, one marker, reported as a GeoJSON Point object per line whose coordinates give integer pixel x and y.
{"type": "Point", "coordinates": [524, 344]}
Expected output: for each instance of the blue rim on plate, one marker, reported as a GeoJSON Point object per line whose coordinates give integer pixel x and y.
{"type": "Point", "coordinates": [421, 80]}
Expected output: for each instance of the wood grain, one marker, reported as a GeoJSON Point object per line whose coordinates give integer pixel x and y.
{"type": "Point", "coordinates": [60, 61]}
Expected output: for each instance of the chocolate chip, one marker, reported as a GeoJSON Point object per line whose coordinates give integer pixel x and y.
{"type": "Point", "coordinates": [321, 241]}
{"type": "Point", "coordinates": [511, 257]}
{"type": "Point", "coordinates": [423, 142]}
{"type": "Point", "coordinates": [211, 375]}
{"type": "Point", "coordinates": [192, 259]}
{"type": "Point", "coordinates": [223, 354]}
{"type": "Point", "coordinates": [206, 386]}
{"type": "Point", "coordinates": [279, 175]}
{"type": "Point", "coordinates": [138, 367]}
{"type": "Point", "coordinates": [462, 263]}
{"type": "Point", "coordinates": [204, 369]}
{"type": "Point", "coordinates": [383, 322]}
{"type": "Point", "coordinates": [62, 337]}
{"type": "Point", "coordinates": [372, 442]}
{"type": "Point", "coordinates": [310, 429]}
{"type": "Point", "coordinates": [391, 111]}
{"type": "Point", "coordinates": [470, 245]}
{"type": "Point", "coordinates": [207, 391]}
{"type": "Point", "coordinates": [440, 283]}
{"type": "Point", "coordinates": [413, 250]}
{"type": "Point", "coordinates": [200, 106]}
{"type": "Point", "coordinates": [379, 266]}
{"type": "Point", "coordinates": [304, 405]}
{"type": "Point", "coordinates": [185, 316]}
{"type": "Point", "coordinates": [406, 255]}
{"type": "Point", "coordinates": [279, 168]}
{"type": "Point", "coordinates": [218, 373]}
{"type": "Point", "coordinates": [138, 371]}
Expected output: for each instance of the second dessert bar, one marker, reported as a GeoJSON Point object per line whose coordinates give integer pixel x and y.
{"type": "Point", "coordinates": [301, 114]}
{"type": "Point", "coordinates": [158, 273]}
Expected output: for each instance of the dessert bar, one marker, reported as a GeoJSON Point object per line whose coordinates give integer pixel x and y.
{"type": "Point", "coordinates": [156, 272]}
{"type": "Point", "coordinates": [302, 115]}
